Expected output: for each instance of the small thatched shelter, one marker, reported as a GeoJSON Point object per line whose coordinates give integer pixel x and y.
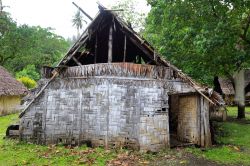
{"type": "Point", "coordinates": [11, 92]}
{"type": "Point", "coordinates": [225, 87]}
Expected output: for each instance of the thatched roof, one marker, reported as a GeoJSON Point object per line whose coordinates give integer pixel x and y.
{"type": "Point", "coordinates": [226, 86]}
{"type": "Point", "coordinates": [9, 86]}
{"type": "Point", "coordinates": [109, 39]}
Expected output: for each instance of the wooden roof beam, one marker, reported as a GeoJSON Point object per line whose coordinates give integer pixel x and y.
{"type": "Point", "coordinates": [76, 61]}
{"type": "Point", "coordinates": [86, 14]}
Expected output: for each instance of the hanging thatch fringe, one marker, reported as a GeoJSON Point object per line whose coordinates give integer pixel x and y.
{"type": "Point", "coordinates": [119, 70]}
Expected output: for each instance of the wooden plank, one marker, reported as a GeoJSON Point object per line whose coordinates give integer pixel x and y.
{"type": "Point", "coordinates": [86, 14]}
{"type": "Point", "coordinates": [110, 45]}
{"type": "Point", "coordinates": [96, 40]}
{"type": "Point", "coordinates": [76, 61]}
{"type": "Point", "coordinates": [202, 123]}
{"type": "Point", "coordinates": [13, 133]}
{"type": "Point", "coordinates": [125, 48]}
{"type": "Point", "coordinates": [208, 141]}
{"type": "Point", "coordinates": [139, 61]}
{"type": "Point", "coordinates": [198, 120]}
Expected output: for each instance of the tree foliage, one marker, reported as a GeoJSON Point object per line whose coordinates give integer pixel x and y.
{"type": "Point", "coordinates": [78, 21]}
{"type": "Point", "coordinates": [23, 45]}
{"type": "Point", "coordinates": [130, 13]}
{"type": "Point", "coordinates": [204, 38]}
{"type": "Point", "coordinates": [29, 71]}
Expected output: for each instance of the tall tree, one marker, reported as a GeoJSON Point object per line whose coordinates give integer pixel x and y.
{"type": "Point", "coordinates": [78, 22]}
{"type": "Point", "coordinates": [204, 38]}
{"type": "Point", "coordinates": [128, 10]}
{"type": "Point", "coordinates": [23, 45]}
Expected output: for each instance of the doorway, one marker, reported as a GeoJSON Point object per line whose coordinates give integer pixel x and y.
{"type": "Point", "coordinates": [183, 119]}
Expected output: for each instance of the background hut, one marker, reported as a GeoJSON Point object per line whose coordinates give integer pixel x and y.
{"type": "Point", "coordinates": [11, 92]}
{"type": "Point", "coordinates": [225, 87]}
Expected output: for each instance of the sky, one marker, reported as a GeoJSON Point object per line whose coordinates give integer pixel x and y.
{"type": "Point", "coordinates": [57, 14]}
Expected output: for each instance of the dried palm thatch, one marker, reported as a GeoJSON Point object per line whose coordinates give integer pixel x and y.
{"type": "Point", "coordinates": [9, 86]}
{"type": "Point", "coordinates": [226, 86]}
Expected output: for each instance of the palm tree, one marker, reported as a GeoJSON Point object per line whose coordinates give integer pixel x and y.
{"type": "Point", "coordinates": [78, 22]}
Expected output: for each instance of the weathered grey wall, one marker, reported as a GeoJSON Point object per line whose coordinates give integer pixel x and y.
{"type": "Point", "coordinates": [117, 112]}
{"type": "Point", "coordinates": [110, 105]}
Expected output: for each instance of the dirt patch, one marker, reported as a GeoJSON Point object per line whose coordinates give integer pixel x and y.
{"type": "Point", "coordinates": [174, 157]}
{"type": "Point", "coordinates": [186, 159]}
{"type": "Point", "coordinates": [125, 159]}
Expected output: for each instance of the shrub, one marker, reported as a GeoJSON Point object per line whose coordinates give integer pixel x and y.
{"type": "Point", "coordinates": [28, 82]}
{"type": "Point", "coordinates": [29, 71]}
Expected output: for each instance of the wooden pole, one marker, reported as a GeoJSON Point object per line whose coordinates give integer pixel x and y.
{"type": "Point", "coordinates": [40, 92]}
{"type": "Point", "coordinates": [110, 45]}
{"type": "Point", "coordinates": [86, 14]}
{"type": "Point", "coordinates": [125, 48]}
{"type": "Point", "coordinates": [95, 49]}
{"type": "Point", "coordinates": [139, 61]}
{"type": "Point", "coordinates": [76, 61]}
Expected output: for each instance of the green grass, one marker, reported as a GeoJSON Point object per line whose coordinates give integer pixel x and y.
{"type": "Point", "coordinates": [13, 152]}
{"type": "Point", "coordinates": [233, 139]}
{"type": "Point", "coordinates": [232, 112]}
{"type": "Point", "coordinates": [233, 148]}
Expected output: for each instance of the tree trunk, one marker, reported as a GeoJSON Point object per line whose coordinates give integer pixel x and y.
{"type": "Point", "coordinates": [239, 80]}
{"type": "Point", "coordinates": [241, 111]}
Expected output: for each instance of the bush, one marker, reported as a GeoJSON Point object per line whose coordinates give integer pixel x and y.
{"type": "Point", "coordinates": [28, 82]}
{"type": "Point", "coordinates": [30, 72]}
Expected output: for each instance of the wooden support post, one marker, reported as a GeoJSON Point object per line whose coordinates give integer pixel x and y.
{"type": "Point", "coordinates": [202, 133]}
{"type": "Point", "coordinates": [205, 126]}
{"type": "Point", "coordinates": [139, 60]}
{"type": "Point", "coordinates": [95, 49]}
{"type": "Point", "coordinates": [76, 61]}
{"type": "Point", "coordinates": [125, 48]}
{"type": "Point", "coordinates": [208, 141]}
{"type": "Point", "coordinates": [110, 44]}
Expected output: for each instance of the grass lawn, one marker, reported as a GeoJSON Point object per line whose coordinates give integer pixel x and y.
{"type": "Point", "coordinates": [233, 138]}
{"type": "Point", "coordinates": [12, 152]}
{"type": "Point", "coordinates": [233, 148]}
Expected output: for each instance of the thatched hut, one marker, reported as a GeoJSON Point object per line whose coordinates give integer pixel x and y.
{"type": "Point", "coordinates": [225, 87]}
{"type": "Point", "coordinates": [11, 92]}
{"type": "Point", "coordinates": [112, 89]}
